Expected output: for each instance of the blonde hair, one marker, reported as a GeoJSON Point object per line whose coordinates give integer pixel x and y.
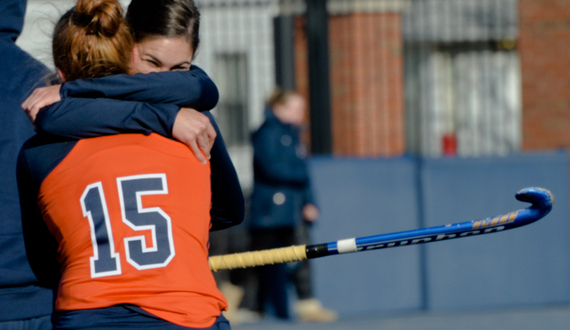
{"type": "Point", "coordinates": [279, 96]}
{"type": "Point", "coordinates": [92, 40]}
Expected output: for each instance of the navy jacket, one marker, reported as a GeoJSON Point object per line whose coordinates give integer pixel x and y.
{"type": "Point", "coordinates": [281, 179]}
{"type": "Point", "coordinates": [20, 295]}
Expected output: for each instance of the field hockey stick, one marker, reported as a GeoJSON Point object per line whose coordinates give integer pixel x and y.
{"type": "Point", "coordinates": [541, 200]}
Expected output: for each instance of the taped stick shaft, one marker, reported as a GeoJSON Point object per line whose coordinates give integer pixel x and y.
{"type": "Point", "coordinates": [258, 258]}
{"type": "Point", "coordinates": [541, 199]}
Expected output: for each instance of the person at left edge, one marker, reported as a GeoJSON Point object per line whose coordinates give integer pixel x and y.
{"type": "Point", "coordinates": [24, 304]}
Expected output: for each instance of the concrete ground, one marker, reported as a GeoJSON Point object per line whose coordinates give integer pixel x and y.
{"type": "Point", "coordinates": [528, 318]}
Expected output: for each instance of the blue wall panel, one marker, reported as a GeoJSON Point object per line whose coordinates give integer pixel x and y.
{"type": "Point", "coordinates": [362, 198]}
{"type": "Point", "coordinates": [524, 266]}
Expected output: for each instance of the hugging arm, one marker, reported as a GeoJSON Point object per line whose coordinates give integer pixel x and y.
{"type": "Point", "coordinates": [88, 110]}
{"type": "Point", "coordinates": [192, 88]}
{"type": "Point", "coordinates": [83, 118]}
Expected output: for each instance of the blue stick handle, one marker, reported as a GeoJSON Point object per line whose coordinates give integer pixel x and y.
{"type": "Point", "coordinates": [540, 198]}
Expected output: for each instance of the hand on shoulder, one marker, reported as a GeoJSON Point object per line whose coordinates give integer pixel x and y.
{"type": "Point", "coordinates": [41, 97]}
{"type": "Point", "coordinates": [196, 131]}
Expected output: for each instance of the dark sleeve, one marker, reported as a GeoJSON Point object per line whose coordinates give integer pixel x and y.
{"type": "Point", "coordinates": [192, 88]}
{"type": "Point", "coordinates": [228, 204]}
{"type": "Point", "coordinates": [275, 163]}
{"type": "Point", "coordinates": [41, 246]}
{"type": "Point", "coordinates": [308, 196]}
{"type": "Point", "coordinates": [84, 117]}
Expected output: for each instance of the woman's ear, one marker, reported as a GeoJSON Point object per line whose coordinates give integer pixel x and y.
{"type": "Point", "coordinates": [60, 74]}
{"type": "Point", "coordinates": [135, 56]}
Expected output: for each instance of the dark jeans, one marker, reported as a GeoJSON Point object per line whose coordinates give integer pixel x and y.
{"type": "Point", "coordinates": [273, 279]}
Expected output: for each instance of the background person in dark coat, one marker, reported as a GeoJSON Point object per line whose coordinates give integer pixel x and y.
{"type": "Point", "coordinates": [23, 303]}
{"type": "Point", "coordinates": [282, 206]}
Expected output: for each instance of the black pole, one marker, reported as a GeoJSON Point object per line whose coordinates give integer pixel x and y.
{"type": "Point", "coordinates": [319, 76]}
{"type": "Point", "coordinates": [284, 53]}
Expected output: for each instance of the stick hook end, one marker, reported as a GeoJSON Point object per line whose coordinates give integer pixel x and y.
{"type": "Point", "coordinates": [539, 197]}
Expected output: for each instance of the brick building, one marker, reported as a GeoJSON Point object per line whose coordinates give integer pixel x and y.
{"type": "Point", "coordinates": [368, 79]}
{"type": "Point", "coordinates": [422, 77]}
{"type": "Point", "coordinates": [544, 46]}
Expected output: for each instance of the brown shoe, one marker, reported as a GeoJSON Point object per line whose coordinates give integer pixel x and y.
{"type": "Point", "coordinates": [233, 295]}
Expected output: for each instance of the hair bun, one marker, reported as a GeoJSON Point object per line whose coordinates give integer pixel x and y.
{"type": "Point", "coordinates": [99, 17]}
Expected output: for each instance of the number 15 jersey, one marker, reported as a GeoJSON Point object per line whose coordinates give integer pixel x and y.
{"type": "Point", "coordinates": [130, 215]}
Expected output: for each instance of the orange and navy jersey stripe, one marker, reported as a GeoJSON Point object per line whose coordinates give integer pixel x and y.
{"type": "Point", "coordinates": [130, 214]}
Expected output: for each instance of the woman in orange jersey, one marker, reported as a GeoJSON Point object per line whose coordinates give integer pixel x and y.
{"type": "Point", "coordinates": [119, 223]}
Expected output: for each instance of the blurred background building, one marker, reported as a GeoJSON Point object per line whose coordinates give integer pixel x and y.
{"type": "Point", "coordinates": [425, 77]}
{"type": "Point", "coordinates": [485, 81]}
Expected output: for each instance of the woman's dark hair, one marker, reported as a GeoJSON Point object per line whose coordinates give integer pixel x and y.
{"type": "Point", "coordinates": [165, 18]}
{"type": "Point", "coordinates": [92, 40]}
